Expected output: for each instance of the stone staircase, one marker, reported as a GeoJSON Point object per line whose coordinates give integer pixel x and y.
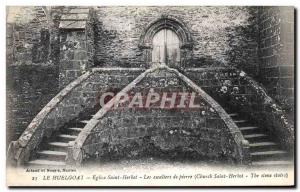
{"type": "Point", "coordinates": [264, 150]}
{"type": "Point", "coordinates": [53, 151]}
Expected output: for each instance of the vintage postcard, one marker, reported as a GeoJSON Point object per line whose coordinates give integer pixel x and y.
{"type": "Point", "coordinates": [150, 96]}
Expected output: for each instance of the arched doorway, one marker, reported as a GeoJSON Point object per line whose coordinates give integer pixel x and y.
{"type": "Point", "coordinates": [166, 48]}
{"type": "Point", "coordinates": [172, 32]}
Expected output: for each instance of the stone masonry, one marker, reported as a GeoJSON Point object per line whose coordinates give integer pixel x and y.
{"type": "Point", "coordinates": [215, 32]}
{"type": "Point", "coordinates": [73, 44]}
{"type": "Point", "coordinates": [79, 53]}
{"type": "Point", "coordinates": [277, 58]}
{"type": "Point", "coordinates": [155, 131]}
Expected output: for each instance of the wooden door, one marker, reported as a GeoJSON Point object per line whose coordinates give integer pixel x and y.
{"type": "Point", "coordinates": [166, 48]}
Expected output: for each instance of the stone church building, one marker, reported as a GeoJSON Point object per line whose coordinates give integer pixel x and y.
{"type": "Point", "coordinates": [238, 60]}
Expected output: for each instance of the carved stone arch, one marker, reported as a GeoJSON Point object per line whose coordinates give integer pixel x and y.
{"type": "Point", "coordinates": [174, 24]}
{"type": "Point", "coordinates": [165, 22]}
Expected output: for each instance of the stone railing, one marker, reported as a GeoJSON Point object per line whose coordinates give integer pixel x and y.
{"type": "Point", "coordinates": [268, 113]}
{"type": "Point", "coordinates": [234, 88]}
{"type": "Point", "coordinates": [89, 138]}
{"type": "Point", "coordinates": [47, 121]}
{"type": "Point", "coordinates": [77, 97]}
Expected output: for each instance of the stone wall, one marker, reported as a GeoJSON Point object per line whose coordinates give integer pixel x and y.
{"type": "Point", "coordinates": [78, 97]}
{"type": "Point", "coordinates": [9, 43]}
{"type": "Point", "coordinates": [276, 53]}
{"type": "Point", "coordinates": [259, 40]}
{"type": "Point", "coordinates": [29, 89]}
{"type": "Point", "coordinates": [206, 132]}
{"type": "Point", "coordinates": [243, 43]}
{"type": "Point", "coordinates": [102, 81]}
{"type": "Point", "coordinates": [218, 33]}
{"type": "Point", "coordinates": [90, 37]}
{"type": "Point", "coordinates": [32, 68]}
{"type": "Point", "coordinates": [72, 56]}
{"type": "Point", "coordinates": [29, 35]}
{"type": "Point", "coordinates": [234, 89]}
{"type": "Point", "coordinates": [73, 44]}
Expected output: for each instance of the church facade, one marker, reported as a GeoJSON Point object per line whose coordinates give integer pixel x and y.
{"type": "Point", "coordinates": [234, 64]}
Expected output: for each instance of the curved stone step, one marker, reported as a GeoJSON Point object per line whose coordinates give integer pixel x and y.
{"type": "Point", "coordinates": [74, 131]}
{"type": "Point", "coordinates": [43, 162]}
{"type": "Point", "coordinates": [258, 135]}
{"type": "Point", "coordinates": [246, 128]}
{"type": "Point", "coordinates": [88, 117]}
{"type": "Point", "coordinates": [233, 114]}
{"type": "Point", "coordinates": [84, 121]}
{"type": "Point", "coordinates": [260, 144]}
{"type": "Point", "coordinates": [270, 162]}
{"type": "Point", "coordinates": [57, 146]}
{"type": "Point", "coordinates": [77, 123]}
{"type": "Point", "coordinates": [255, 137]}
{"type": "Point", "coordinates": [52, 155]}
{"type": "Point", "coordinates": [240, 121]}
{"type": "Point", "coordinates": [57, 153]}
{"type": "Point", "coordinates": [66, 137]}
{"type": "Point", "coordinates": [262, 149]}
{"type": "Point", "coordinates": [268, 153]}
{"type": "Point", "coordinates": [263, 146]}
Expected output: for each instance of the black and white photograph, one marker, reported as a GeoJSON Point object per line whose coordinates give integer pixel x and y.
{"type": "Point", "coordinates": [150, 95]}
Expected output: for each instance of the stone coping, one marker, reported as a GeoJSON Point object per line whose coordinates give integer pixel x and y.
{"type": "Point", "coordinates": [233, 129]}
{"type": "Point", "coordinates": [75, 19]}
{"type": "Point", "coordinates": [116, 69]}
{"type": "Point", "coordinates": [276, 109]}
{"type": "Point", "coordinates": [195, 69]}
{"type": "Point", "coordinates": [32, 128]}
{"type": "Point", "coordinates": [143, 69]}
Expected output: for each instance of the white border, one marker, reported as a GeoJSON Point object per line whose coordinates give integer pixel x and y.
{"type": "Point", "coordinates": [4, 3]}
{"type": "Point", "coordinates": [153, 2]}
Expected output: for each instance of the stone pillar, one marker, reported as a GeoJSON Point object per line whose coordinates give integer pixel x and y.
{"type": "Point", "coordinates": [277, 53]}
{"type": "Point", "coordinates": [73, 45]}
{"type": "Point", "coordinates": [287, 57]}
{"type": "Point", "coordinates": [74, 154]}
{"type": "Point", "coordinates": [246, 158]}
